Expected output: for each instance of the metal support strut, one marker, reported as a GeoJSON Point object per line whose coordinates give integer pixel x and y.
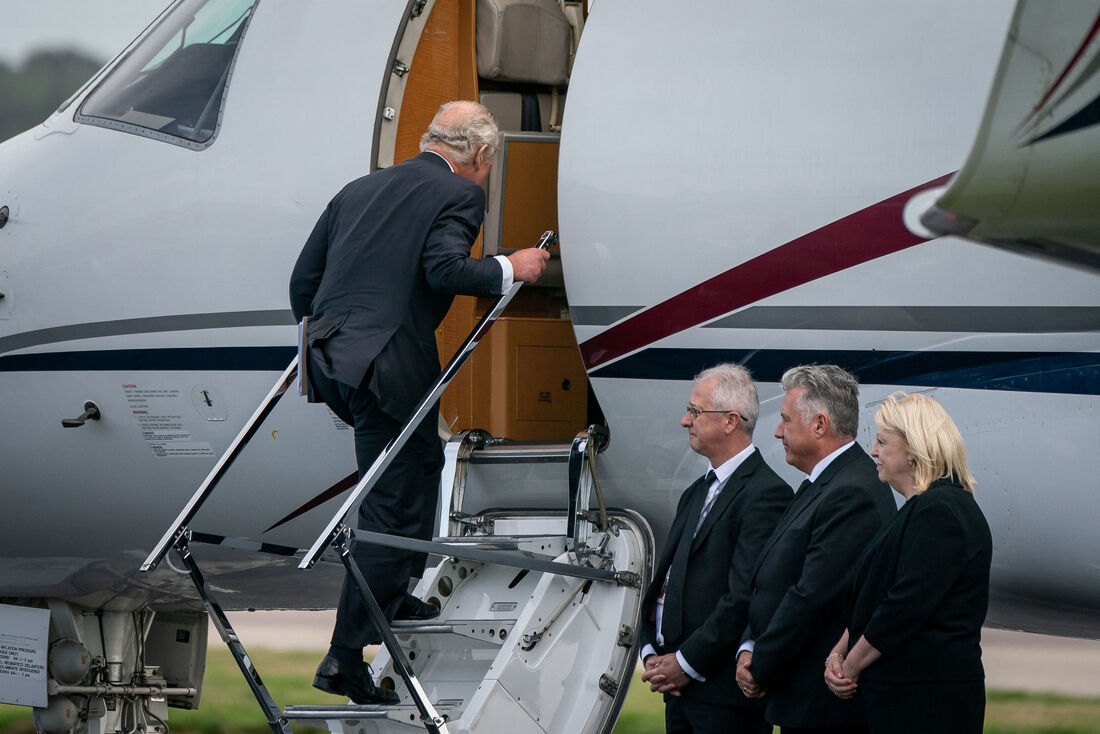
{"type": "Point", "coordinates": [275, 720]}
{"type": "Point", "coordinates": [582, 480]}
{"type": "Point", "coordinates": [433, 722]}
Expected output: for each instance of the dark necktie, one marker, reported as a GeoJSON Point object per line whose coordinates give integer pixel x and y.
{"type": "Point", "coordinates": [673, 611]}
{"type": "Point", "coordinates": [709, 502]}
{"type": "Point", "coordinates": [793, 508]}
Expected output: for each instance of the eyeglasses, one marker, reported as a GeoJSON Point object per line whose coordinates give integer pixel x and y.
{"type": "Point", "coordinates": [696, 412]}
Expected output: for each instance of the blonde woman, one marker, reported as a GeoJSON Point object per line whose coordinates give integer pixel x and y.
{"type": "Point", "coordinates": [921, 590]}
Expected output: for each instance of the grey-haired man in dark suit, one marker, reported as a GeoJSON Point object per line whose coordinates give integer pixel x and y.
{"type": "Point", "coordinates": [376, 277]}
{"type": "Point", "coordinates": [795, 615]}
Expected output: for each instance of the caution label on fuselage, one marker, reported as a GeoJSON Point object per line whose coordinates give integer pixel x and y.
{"type": "Point", "coordinates": [159, 415]}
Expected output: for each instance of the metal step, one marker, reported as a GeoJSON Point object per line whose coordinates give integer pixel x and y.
{"type": "Point", "coordinates": [315, 713]}
{"type": "Point", "coordinates": [415, 627]}
{"type": "Point", "coordinates": [492, 631]}
{"type": "Point", "coordinates": [345, 718]}
{"type": "Point", "coordinates": [481, 542]}
{"type": "Point", "coordinates": [517, 559]}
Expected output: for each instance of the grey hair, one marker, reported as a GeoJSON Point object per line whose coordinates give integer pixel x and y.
{"type": "Point", "coordinates": [733, 390]}
{"type": "Point", "coordinates": [463, 140]}
{"type": "Point", "coordinates": [830, 390]}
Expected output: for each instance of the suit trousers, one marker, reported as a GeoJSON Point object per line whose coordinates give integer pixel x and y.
{"type": "Point", "coordinates": [944, 707]}
{"type": "Point", "coordinates": [685, 716]}
{"type": "Point", "coordinates": [402, 502]}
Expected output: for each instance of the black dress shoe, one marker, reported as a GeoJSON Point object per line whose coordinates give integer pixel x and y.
{"type": "Point", "coordinates": [413, 609]}
{"type": "Point", "coordinates": [354, 683]}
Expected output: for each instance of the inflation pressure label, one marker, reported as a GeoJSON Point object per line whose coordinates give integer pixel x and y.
{"type": "Point", "coordinates": [24, 639]}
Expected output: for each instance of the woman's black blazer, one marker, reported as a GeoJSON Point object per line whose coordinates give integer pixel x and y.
{"type": "Point", "coordinates": [921, 590]}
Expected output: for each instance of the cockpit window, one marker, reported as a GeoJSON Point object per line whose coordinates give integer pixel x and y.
{"type": "Point", "coordinates": [173, 84]}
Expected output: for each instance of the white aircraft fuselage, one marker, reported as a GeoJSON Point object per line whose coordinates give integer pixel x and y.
{"type": "Point", "coordinates": [734, 185]}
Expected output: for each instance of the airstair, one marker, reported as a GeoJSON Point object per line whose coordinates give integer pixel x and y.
{"type": "Point", "coordinates": [539, 605]}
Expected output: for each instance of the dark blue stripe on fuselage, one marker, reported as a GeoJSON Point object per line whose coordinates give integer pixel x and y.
{"type": "Point", "coordinates": [202, 359]}
{"type": "Point", "coordinates": [1041, 372]}
{"type": "Point", "coordinates": [1086, 117]}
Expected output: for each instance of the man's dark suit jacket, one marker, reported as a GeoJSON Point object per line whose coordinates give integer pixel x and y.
{"type": "Point", "coordinates": [799, 586]}
{"type": "Point", "coordinates": [380, 270]}
{"type": "Point", "coordinates": [922, 590]}
{"type": "Point", "coordinates": [706, 603]}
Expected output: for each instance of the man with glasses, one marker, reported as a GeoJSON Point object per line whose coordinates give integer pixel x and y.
{"type": "Point", "coordinates": [697, 606]}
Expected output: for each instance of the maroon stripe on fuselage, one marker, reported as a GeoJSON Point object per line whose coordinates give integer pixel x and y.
{"type": "Point", "coordinates": [865, 235]}
{"type": "Point", "coordinates": [334, 491]}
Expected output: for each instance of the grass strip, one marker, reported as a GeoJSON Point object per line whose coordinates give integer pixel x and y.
{"type": "Point", "coordinates": [227, 705]}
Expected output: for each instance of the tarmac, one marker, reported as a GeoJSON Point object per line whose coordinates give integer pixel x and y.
{"type": "Point", "coordinates": [1013, 660]}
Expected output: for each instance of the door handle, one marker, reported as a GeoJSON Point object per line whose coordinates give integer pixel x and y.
{"type": "Point", "coordinates": [91, 412]}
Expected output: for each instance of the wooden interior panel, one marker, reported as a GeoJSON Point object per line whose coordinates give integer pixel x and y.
{"type": "Point", "coordinates": [529, 380]}
{"type": "Point", "coordinates": [530, 193]}
{"type": "Point", "coordinates": [432, 78]}
{"type": "Point", "coordinates": [444, 68]}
